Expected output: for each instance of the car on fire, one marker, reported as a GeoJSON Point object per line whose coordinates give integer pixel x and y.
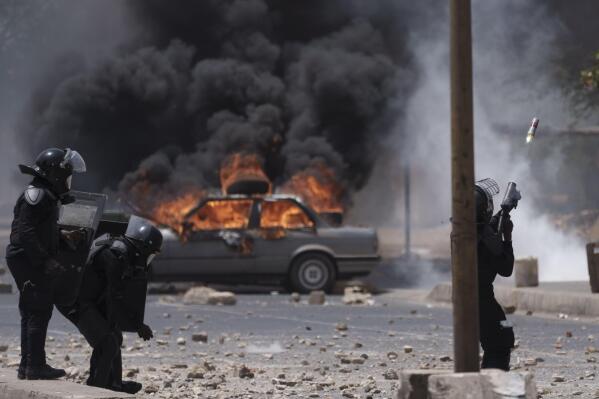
{"type": "Point", "coordinates": [250, 239]}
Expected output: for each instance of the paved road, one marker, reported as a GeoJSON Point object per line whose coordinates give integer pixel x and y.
{"type": "Point", "coordinates": [273, 336]}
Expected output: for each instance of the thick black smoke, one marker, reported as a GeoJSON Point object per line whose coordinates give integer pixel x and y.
{"type": "Point", "coordinates": [296, 82]}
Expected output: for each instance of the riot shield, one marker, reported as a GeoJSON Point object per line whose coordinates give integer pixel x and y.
{"type": "Point", "coordinates": [130, 300]}
{"type": "Point", "coordinates": [84, 215]}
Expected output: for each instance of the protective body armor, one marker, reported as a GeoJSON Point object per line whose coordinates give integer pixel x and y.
{"type": "Point", "coordinates": [125, 287]}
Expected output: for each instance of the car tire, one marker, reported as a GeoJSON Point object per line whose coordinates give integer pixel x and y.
{"type": "Point", "coordinates": [312, 272]}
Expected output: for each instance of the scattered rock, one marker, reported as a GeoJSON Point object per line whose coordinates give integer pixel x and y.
{"type": "Point", "coordinates": [356, 296]}
{"type": "Point", "coordinates": [316, 298]}
{"type": "Point", "coordinates": [510, 309]}
{"type": "Point", "coordinates": [208, 296]}
{"type": "Point", "coordinates": [558, 378]}
{"type": "Point", "coordinates": [3, 348]}
{"type": "Point", "coordinates": [408, 349]}
{"type": "Point", "coordinates": [196, 373]}
{"type": "Point", "coordinates": [530, 362]}
{"type": "Point", "coordinates": [181, 341]}
{"type": "Point", "coordinates": [72, 372]}
{"type": "Point", "coordinates": [391, 375]}
{"type": "Point", "coordinates": [392, 355]}
{"type": "Point", "coordinates": [569, 334]}
{"type": "Point", "coordinates": [151, 388]}
{"type": "Point", "coordinates": [295, 297]}
{"type": "Point", "coordinates": [131, 372]}
{"type": "Point", "coordinates": [200, 337]}
{"type": "Point", "coordinates": [245, 372]}
{"type": "Point", "coordinates": [341, 326]}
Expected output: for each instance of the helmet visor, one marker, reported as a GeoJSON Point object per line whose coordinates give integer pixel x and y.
{"type": "Point", "coordinates": [74, 159]}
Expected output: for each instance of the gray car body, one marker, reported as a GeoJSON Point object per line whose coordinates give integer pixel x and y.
{"type": "Point", "coordinates": [206, 256]}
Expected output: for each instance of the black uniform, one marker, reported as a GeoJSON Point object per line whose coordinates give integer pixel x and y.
{"type": "Point", "coordinates": [494, 257]}
{"type": "Point", "coordinates": [100, 311]}
{"type": "Point", "coordinates": [34, 241]}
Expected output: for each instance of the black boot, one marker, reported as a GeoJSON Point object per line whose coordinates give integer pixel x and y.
{"type": "Point", "coordinates": [44, 372]}
{"type": "Point", "coordinates": [21, 373]}
{"type": "Point", "coordinates": [130, 387]}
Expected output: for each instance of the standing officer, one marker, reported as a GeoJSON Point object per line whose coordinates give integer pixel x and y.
{"type": "Point", "coordinates": [495, 256]}
{"type": "Point", "coordinates": [31, 254]}
{"type": "Point", "coordinates": [112, 299]}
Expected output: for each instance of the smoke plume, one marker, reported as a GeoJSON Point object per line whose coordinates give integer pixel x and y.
{"type": "Point", "coordinates": [297, 84]}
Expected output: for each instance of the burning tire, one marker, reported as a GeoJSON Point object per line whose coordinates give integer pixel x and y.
{"type": "Point", "coordinates": [312, 271]}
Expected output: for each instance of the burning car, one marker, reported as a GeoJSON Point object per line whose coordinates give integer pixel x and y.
{"type": "Point", "coordinates": [249, 238]}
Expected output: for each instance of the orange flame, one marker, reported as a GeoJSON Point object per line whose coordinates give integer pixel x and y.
{"type": "Point", "coordinates": [318, 187]}
{"type": "Point", "coordinates": [216, 215]}
{"type": "Point", "coordinates": [239, 168]}
{"type": "Point", "coordinates": [172, 212]}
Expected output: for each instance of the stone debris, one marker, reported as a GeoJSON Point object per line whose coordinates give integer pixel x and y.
{"type": "Point", "coordinates": [357, 296]}
{"type": "Point", "coordinates": [295, 297]}
{"type": "Point", "coordinates": [316, 298]}
{"type": "Point", "coordinates": [408, 349]}
{"type": "Point", "coordinates": [181, 341]}
{"type": "Point", "coordinates": [391, 375]}
{"type": "Point", "coordinates": [200, 337]}
{"type": "Point", "coordinates": [245, 372]}
{"type": "Point", "coordinates": [558, 378]}
{"type": "Point", "coordinates": [341, 326]}
{"type": "Point", "coordinates": [208, 296]}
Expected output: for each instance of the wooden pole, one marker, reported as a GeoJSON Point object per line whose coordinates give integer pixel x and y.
{"type": "Point", "coordinates": [463, 236]}
{"type": "Point", "coordinates": [408, 211]}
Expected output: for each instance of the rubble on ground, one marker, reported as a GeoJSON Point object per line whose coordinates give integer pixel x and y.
{"type": "Point", "coordinates": [208, 296]}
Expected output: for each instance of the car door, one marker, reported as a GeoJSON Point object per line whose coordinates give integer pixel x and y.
{"type": "Point", "coordinates": [284, 227]}
{"type": "Point", "coordinates": [215, 241]}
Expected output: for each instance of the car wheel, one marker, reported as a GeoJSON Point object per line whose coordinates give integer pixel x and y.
{"type": "Point", "coordinates": [311, 272]}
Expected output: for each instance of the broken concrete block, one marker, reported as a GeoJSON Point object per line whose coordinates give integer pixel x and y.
{"type": "Point", "coordinates": [208, 296]}
{"type": "Point", "coordinates": [316, 298]}
{"type": "Point", "coordinates": [455, 386]}
{"type": "Point", "coordinates": [526, 272]}
{"type": "Point", "coordinates": [414, 383]}
{"type": "Point", "coordinates": [498, 385]}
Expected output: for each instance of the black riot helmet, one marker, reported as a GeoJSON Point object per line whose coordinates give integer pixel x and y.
{"type": "Point", "coordinates": [484, 191]}
{"type": "Point", "coordinates": [145, 238]}
{"type": "Point", "coordinates": [56, 166]}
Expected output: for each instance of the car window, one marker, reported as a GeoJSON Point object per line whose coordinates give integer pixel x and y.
{"type": "Point", "coordinates": [284, 214]}
{"type": "Point", "coordinates": [222, 214]}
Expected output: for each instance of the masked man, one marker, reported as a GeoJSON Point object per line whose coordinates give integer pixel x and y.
{"type": "Point", "coordinates": [31, 255]}
{"type": "Point", "coordinates": [495, 256]}
{"type": "Point", "coordinates": [112, 299]}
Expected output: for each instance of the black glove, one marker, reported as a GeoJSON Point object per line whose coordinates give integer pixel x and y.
{"type": "Point", "coordinates": [73, 237]}
{"type": "Point", "coordinates": [52, 268]}
{"type": "Point", "coordinates": [508, 227]}
{"type": "Point", "coordinates": [145, 332]}
{"type": "Point", "coordinates": [494, 222]}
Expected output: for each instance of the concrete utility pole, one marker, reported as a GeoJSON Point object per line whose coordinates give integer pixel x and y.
{"type": "Point", "coordinates": [463, 236]}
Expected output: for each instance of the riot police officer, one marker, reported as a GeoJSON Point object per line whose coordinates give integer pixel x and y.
{"type": "Point", "coordinates": [112, 299]}
{"type": "Point", "coordinates": [31, 254]}
{"type": "Point", "coordinates": [495, 256]}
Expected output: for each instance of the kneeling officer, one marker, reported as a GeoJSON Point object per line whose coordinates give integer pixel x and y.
{"type": "Point", "coordinates": [112, 299]}
{"type": "Point", "coordinates": [495, 256]}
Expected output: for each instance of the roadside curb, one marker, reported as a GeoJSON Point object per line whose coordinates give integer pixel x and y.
{"type": "Point", "coordinates": [13, 388]}
{"type": "Point", "coordinates": [533, 299]}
